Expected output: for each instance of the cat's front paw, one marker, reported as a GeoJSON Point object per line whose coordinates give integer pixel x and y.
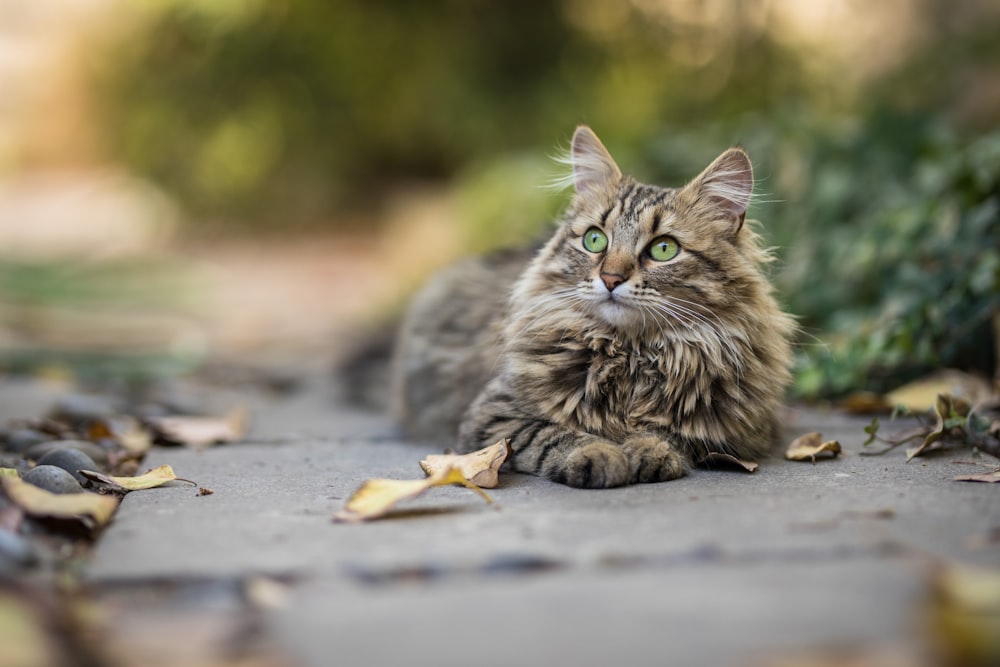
{"type": "Point", "coordinates": [652, 459]}
{"type": "Point", "coordinates": [598, 465]}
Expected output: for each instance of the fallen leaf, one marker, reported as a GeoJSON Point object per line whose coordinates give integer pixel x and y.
{"type": "Point", "coordinates": [377, 496]}
{"type": "Point", "coordinates": [205, 491]}
{"type": "Point", "coordinates": [806, 447]}
{"type": "Point", "coordinates": [126, 431]}
{"type": "Point", "coordinates": [480, 467]}
{"type": "Point", "coordinates": [9, 472]}
{"type": "Point", "coordinates": [988, 477]}
{"type": "Point", "coordinates": [921, 395]}
{"type": "Point", "coordinates": [92, 509]}
{"type": "Point", "coordinates": [962, 614]}
{"type": "Point", "coordinates": [149, 480]}
{"type": "Point", "coordinates": [865, 403]}
{"type": "Point", "coordinates": [950, 412]}
{"type": "Point", "coordinates": [720, 459]}
{"type": "Point", "coordinates": [199, 432]}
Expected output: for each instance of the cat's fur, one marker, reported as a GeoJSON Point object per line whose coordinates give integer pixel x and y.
{"type": "Point", "coordinates": [607, 368]}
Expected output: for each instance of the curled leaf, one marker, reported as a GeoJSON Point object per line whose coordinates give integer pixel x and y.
{"type": "Point", "coordinates": [376, 497]}
{"type": "Point", "coordinates": [481, 467]}
{"type": "Point", "coordinates": [200, 432]}
{"type": "Point", "coordinates": [987, 477]}
{"type": "Point", "coordinates": [720, 459]}
{"type": "Point", "coordinates": [949, 412]}
{"type": "Point", "coordinates": [807, 447]}
{"type": "Point", "coordinates": [149, 480]}
{"type": "Point", "coordinates": [92, 509]}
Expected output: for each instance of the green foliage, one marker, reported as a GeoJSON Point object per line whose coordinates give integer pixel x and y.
{"type": "Point", "coordinates": [283, 111]}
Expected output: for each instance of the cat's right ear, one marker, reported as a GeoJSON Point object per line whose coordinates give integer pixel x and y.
{"type": "Point", "coordinates": [594, 170]}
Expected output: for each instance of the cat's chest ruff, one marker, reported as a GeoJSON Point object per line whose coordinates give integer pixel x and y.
{"type": "Point", "coordinates": [608, 387]}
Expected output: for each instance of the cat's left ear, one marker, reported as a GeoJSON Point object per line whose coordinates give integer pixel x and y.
{"type": "Point", "coordinates": [594, 169]}
{"type": "Point", "coordinates": [726, 186]}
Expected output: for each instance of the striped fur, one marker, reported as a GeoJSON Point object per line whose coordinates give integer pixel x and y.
{"type": "Point", "coordinates": [600, 386]}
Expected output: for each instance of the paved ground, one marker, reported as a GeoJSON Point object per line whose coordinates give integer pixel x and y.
{"type": "Point", "coordinates": [828, 561]}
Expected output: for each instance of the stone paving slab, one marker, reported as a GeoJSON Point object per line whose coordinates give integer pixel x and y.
{"type": "Point", "coordinates": [712, 569]}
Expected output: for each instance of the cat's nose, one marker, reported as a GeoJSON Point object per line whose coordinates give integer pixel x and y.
{"type": "Point", "coordinates": [612, 280]}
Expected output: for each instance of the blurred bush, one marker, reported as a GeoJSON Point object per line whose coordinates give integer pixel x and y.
{"type": "Point", "coordinates": [881, 193]}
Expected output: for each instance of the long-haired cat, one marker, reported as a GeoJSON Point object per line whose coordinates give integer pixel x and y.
{"type": "Point", "coordinates": [642, 337]}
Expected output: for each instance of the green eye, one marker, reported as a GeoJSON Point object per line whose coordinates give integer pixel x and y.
{"type": "Point", "coordinates": [664, 249]}
{"type": "Point", "coordinates": [595, 240]}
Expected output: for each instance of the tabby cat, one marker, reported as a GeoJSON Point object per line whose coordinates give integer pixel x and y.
{"type": "Point", "coordinates": [641, 338]}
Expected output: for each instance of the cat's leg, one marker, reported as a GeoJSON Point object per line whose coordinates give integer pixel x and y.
{"type": "Point", "coordinates": [653, 459]}
{"type": "Point", "coordinates": [540, 446]}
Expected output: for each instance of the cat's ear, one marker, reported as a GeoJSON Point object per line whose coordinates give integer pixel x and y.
{"type": "Point", "coordinates": [726, 186]}
{"type": "Point", "coordinates": [594, 169]}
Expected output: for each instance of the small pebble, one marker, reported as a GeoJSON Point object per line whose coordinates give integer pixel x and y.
{"type": "Point", "coordinates": [71, 460]}
{"type": "Point", "coordinates": [52, 479]}
{"type": "Point", "coordinates": [97, 453]}
{"type": "Point", "coordinates": [20, 439]}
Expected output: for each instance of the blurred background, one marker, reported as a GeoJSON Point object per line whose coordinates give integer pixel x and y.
{"type": "Point", "coordinates": [182, 181]}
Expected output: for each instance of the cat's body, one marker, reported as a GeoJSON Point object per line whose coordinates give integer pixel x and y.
{"type": "Point", "coordinates": [640, 338]}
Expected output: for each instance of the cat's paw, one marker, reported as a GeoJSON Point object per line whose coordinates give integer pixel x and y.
{"type": "Point", "coordinates": [652, 459]}
{"type": "Point", "coordinates": [598, 465]}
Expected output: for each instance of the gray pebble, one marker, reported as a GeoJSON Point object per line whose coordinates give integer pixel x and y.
{"type": "Point", "coordinates": [20, 439]}
{"type": "Point", "coordinates": [97, 453]}
{"type": "Point", "coordinates": [71, 460]}
{"type": "Point", "coordinates": [53, 479]}
{"type": "Point", "coordinates": [81, 409]}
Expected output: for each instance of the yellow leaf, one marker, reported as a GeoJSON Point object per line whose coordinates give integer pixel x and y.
{"type": "Point", "coordinates": [723, 460]}
{"type": "Point", "coordinates": [149, 480]}
{"type": "Point", "coordinates": [806, 447]}
{"type": "Point", "coordinates": [481, 467]}
{"type": "Point", "coordinates": [9, 472]}
{"type": "Point", "coordinates": [921, 395]}
{"type": "Point", "coordinates": [91, 508]}
{"type": "Point", "coordinates": [377, 496]}
{"type": "Point", "coordinates": [199, 432]}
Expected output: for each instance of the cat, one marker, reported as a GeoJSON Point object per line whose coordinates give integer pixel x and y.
{"type": "Point", "coordinates": [640, 338]}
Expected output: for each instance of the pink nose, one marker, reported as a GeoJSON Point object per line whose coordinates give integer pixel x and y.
{"type": "Point", "coordinates": [612, 280]}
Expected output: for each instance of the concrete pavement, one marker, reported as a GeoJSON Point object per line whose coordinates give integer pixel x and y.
{"type": "Point", "coordinates": [719, 568]}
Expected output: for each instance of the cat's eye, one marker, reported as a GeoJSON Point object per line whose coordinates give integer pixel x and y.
{"type": "Point", "coordinates": [595, 240]}
{"type": "Point", "coordinates": [663, 249]}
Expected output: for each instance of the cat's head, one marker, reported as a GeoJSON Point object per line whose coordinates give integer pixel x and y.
{"type": "Point", "coordinates": [636, 256]}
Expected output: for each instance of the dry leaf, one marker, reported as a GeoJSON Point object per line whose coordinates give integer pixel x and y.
{"type": "Point", "coordinates": [921, 395]}
{"type": "Point", "coordinates": [377, 496]}
{"type": "Point", "coordinates": [947, 410]}
{"type": "Point", "coordinates": [126, 431]}
{"type": "Point", "coordinates": [91, 508]}
{"type": "Point", "coordinates": [866, 403]}
{"type": "Point", "coordinates": [149, 480]}
{"type": "Point", "coordinates": [480, 467]}
{"type": "Point", "coordinates": [962, 614]}
{"type": "Point", "coordinates": [201, 431]}
{"type": "Point", "coordinates": [9, 472]}
{"type": "Point", "coordinates": [720, 459]}
{"type": "Point", "coordinates": [806, 447]}
{"type": "Point", "coordinates": [988, 477]}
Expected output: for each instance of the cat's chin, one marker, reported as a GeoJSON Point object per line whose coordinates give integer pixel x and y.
{"type": "Point", "coordinates": [615, 313]}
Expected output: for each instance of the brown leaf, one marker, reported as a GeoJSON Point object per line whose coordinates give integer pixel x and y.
{"type": "Point", "coordinates": [481, 467]}
{"type": "Point", "coordinates": [376, 497]}
{"type": "Point", "coordinates": [807, 447]}
{"type": "Point", "coordinates": [865, 403]}
{"type": "Point", "coordinates": [150, 480]}
{"type": "Point", "coordinates": [921, 395]}
{"type": "Point", "coordinates": [945, 407]}
{"type": "Point", "coordinates": [728, 460]}
{"type": "Point", "coordinates": [200, 432]}
{"type": "Point", "coordinates": [987, 477]}
{"type": "Point", "coordinates": [92, 509]}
